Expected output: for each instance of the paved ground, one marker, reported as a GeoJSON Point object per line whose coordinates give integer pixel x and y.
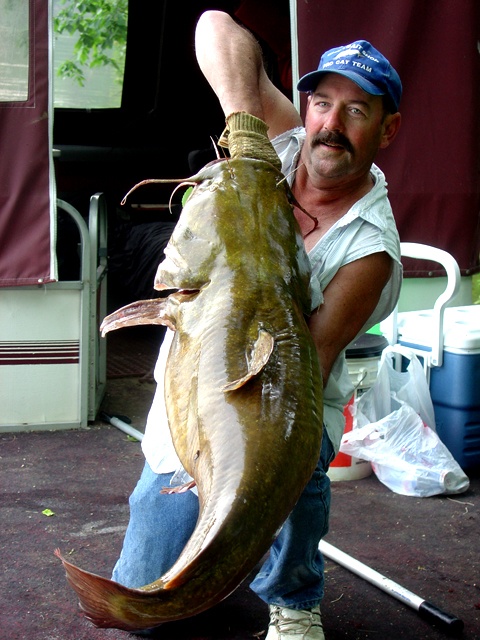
{"type": "Point", "coordinates": [430, 546]}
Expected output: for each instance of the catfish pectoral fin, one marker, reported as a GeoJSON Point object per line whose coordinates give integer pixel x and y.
{"type": "Point", "coordinates": [262, 350]}
{"type": "Point", "coordinates": [181, 488]}
{"type": "Point", "coordinates": [141, 312]}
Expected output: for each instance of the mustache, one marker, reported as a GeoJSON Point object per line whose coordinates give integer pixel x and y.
{"type": "Point", "coordinates": [332, 137]}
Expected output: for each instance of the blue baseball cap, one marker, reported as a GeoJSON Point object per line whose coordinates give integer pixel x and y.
{"type": "Point", "coordinates": [361, 63]}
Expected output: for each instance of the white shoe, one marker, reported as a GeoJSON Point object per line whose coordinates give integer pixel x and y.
{"type": "Point", "coordinates": [293, 624]}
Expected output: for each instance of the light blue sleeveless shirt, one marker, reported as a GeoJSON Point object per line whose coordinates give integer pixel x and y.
{"type": "Point", "coordinates": [368, 227]}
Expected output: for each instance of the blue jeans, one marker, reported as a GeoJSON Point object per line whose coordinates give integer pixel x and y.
{"type": "Point", "coordinates": [160, 526]}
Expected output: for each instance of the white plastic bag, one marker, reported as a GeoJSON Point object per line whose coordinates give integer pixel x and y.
{"type": "Point", "coordinates": [393, 388]}
{"type": "Point", "coordinates": [396, 433]}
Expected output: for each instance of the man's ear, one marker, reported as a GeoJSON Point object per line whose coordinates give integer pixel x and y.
{"type": "Point", "coordinates": [391, 126]}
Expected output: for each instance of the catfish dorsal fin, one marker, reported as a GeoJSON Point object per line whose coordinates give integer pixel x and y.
{"type": "Point", "coordinates": [261, 352]}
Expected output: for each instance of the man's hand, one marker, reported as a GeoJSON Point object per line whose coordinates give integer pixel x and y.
{"type": "Point", "coordinates": [246, 136]}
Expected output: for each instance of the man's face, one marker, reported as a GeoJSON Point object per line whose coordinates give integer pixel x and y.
{"type": "Point", "coordinates": [345, 128]}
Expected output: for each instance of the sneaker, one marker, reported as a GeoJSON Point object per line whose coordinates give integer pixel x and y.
{"type": "Point", "coordinates": [293, 624]}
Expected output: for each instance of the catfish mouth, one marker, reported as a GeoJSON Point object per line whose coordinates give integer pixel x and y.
{"type": "Point", "coordinates": [186, 294]}
{"type": "Point", "coordinates": [180, 295]}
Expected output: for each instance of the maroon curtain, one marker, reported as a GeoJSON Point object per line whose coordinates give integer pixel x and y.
{"type": "Point", "coordinates": [433, 166]}
{"type": "Point", "coordinates": [26, 210]}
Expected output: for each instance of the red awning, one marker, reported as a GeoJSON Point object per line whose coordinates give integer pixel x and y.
{"type": "Point", "coordinates": [27, 202]}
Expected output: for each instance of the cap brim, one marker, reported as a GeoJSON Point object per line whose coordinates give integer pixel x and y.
{"type": "Point", "coordinates": [309, 82]}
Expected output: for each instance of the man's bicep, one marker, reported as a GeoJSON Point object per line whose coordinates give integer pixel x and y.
{"type": "Point", "coordinates": [349, 301]}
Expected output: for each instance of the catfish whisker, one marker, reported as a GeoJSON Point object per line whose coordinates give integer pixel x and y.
{"type": "Point", "coordinates": [151, 181]}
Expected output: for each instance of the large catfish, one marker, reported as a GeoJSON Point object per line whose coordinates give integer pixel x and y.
{"type": "Point", "coordinates": [243, 388]}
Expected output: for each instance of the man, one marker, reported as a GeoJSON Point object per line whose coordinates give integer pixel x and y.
{"type": "Point", "coordinates": [353, 245]}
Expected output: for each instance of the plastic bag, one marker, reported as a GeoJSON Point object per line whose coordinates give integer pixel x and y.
{"type": "Point", "coordinates": [396, 432]}
{"type": "Point", "coordinates": [393, 388]}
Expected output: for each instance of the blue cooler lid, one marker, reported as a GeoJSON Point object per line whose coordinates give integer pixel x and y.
{"type": "Point", "coordinates": [368, 345]}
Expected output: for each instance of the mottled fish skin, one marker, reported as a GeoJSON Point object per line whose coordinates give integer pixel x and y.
{"type": "Point", "coordinates": [243, 388]}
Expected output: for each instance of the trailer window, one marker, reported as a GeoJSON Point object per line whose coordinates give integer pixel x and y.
{"type": "Point", "coordinates": [13, 51]}
{"type": "Point", "coordinates": [89, 53]}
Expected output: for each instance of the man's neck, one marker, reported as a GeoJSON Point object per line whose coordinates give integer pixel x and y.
{"type": "Point", "coordinates": [326, 200]}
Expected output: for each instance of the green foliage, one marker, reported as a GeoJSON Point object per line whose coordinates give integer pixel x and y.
{"type": "Point", "coordinates": [476, 288]}
{"type": "Point", "coordinates": [101, 29]}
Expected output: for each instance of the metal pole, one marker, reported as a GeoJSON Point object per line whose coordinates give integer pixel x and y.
{"type": "Point", "coordinates": [426, 610]}
{"type": "Point", "coordinates": [123, 426]}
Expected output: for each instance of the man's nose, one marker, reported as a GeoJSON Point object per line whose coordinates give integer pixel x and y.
{"type": "Point", "coordinates": [334, 120]}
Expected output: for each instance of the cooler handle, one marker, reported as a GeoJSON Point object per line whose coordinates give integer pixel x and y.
{"type": "Point", "coordinates": [426, 252]}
